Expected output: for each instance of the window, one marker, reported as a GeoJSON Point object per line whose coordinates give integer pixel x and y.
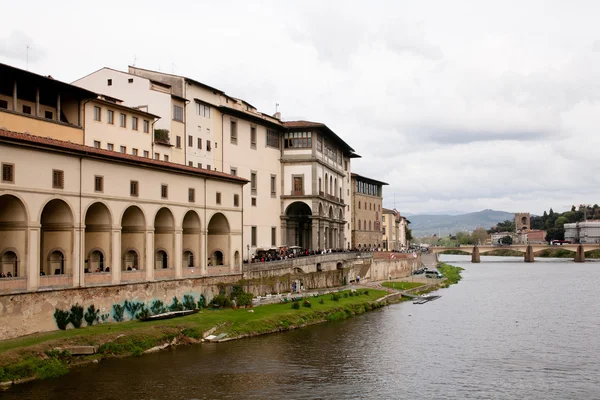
{"type": "Point", "coordinates": [134, 123]}
{"type": "Point", "coordinates": [178, 142]}
{"type": "Point", "coordinates": [130, 80]}
{"type": "Point", "coordinates": [123, 120]}
{"type": "Point", "coordinates": [58, 179]}
{"type": "Point", "coordinates": [295, 140]}
{"type": "Point", "coordinates": [111, 117]}
{"type": "Point", "coordinates": [273, 185]}
{"type": "Point", "coordinates": [109, 82]}
{"type": "Point", "coordinates": [253, 137]}
{"type": "Point", "coordinates": [320, 186]}
{"type": "Point", "coordinates": [146, 126]}
{"type": "Point", "coordinates": [97, 144]}
{"type": "Point", "coordinates": [208, 145]}
{"type": "Point", "coordinates": [298, 185]}
{"type": "Point", "coordinates": [320, 143]}
{"type": "Point", "coordinates": [273, 236]}
{"type": "Point", "coordinates": [233, 132]}
{"type": "Point", "coordinates": [359, 205]}
{"type": "Point", "coordinates": [272, 138]}
{"type": "Point", "coordinates": [166, 158]}
{"type": "Point", "coordinates": [253, 182]}
{"type": "Point", "coordinates": [218, 200]}
{"type": "Point", "coordinates": [146, 153]}
{"type": "Point", "coordinates": [190, 163]}
{"type": "Point", "coordinates": [134, 188]}
{"type": "Point", "coordinates": [199, 143]}
{"type": "Point", "coordinates": [359, 225]}
{"type": "Point", "coordinates": [253, 201]}
{"type": "Point", "coordinates": [8, 173]}
{"type": "Point", "coordinates": [199, 165]}
{"type": "Point", "coordinates": [110, 146]}
{"type": "Point", "coordinates": [177, 113]}
{"type": "Point", "coordinates": [27, 110]}
{"type": "Point", "coordinates": [98, 183]}
{"type": "Point", "coordinates": [202, 110]}
{"type": "Point", "coordinates": [190, 141]}
{"type": "Point", "coordinates": [345, 165]}
{"type": "Point", "coordinates": [208, 167]}
{"type": "Point", "coordinates": [233, 171]}
{"type": "Point", "coordinates": [164, 191]}
{"type": "Point", "coordinates": [3, 104]}
{"type": "Point", "coordinates": [134, 152]}
{"type": "Point", "coordinates": [191, 195]}
{"type": "Point", "coordinates": [48, 114]}
{"type": "Point", "coordinates": [97, 113]}
{"type": "Point", "coordinates": [123, 149]}
{"type": "Point", "coordinates": [236, 200]}
{"type": "Point", "coordinates": [157, 156]}
{"type": "Point", "coordinates": [254, 238]}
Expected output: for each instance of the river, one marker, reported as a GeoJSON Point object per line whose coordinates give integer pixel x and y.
{"type": "Point", "coordinates": [508, 330]}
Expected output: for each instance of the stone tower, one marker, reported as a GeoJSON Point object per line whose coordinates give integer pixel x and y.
{"type": "Point", "coordinates": [522, 222]}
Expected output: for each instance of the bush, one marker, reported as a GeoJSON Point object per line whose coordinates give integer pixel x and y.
{"type": "Point", "coordinates": [351, 294]}
{"type": "Point", "coordinates": [321, 301]}
{"type": "Point", "coordinates": [91, 315]}
{"type": "Point", "coordinates": [366, 292]}
{"type": "Point", "coordinates": [295, 305]}
{"type": "Point", "coordinates": [157, 307]}
{"type": "Point", "coordinates": [188, 302]}
{"type": "Point", "coordinates": [345, 294]}
{"type": "Point", "coordinates": [335, 297]}
{"type": "Point", "coordinates": [144, 313]}
{"type": "Point", "coordinates": [118, 311]}
{"type": "Point", "coordinates": [244, 299]}
{"type": "Point", "coordinates": [76, 315]}
{"type": "Point", "coordinates": [176, 305]}
{"type": "Point", "coordinates": [62, 319]}
{"type": "Point", "coordinates": [202, 301]}
{"type": "Point", "coordinates": [132, 308]}
{"type": "Point", "coordinates": [306, 304]}
{"type": "Point", "coordinates": [220, 300]}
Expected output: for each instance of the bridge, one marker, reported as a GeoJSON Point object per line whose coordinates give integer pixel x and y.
{"type": "Point", "coordinates": [528, 249]}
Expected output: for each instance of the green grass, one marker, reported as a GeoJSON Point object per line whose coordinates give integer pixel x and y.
{"type": "Point", "coordinates": [22, 358]}
{"type": "Point", "coordinates": [451, 272]}
{"type": "Point", "coordinates": [402, 285]}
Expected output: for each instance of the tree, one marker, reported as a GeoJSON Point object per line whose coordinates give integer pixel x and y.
{"type": "Point", "coordinates": [408, 232]}
{"type": "Point", "coordinates": [480, 235]}
{"type": "Point", "coordinates": [560, 222]}
{"type": "Point", "coordinates": [507, 240]}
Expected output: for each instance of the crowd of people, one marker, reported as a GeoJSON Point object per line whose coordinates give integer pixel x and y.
{"type": "Point", "coordinates": [8, 275]}
{"type": "Point", "coordinates": [285, 254]}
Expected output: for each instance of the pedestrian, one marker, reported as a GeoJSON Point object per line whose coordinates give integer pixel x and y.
{"type": "Point", "coordinates": [357, 279]}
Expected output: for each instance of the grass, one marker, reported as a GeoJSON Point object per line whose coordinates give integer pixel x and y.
{"type": "Point", "coordinates": [402, 285]}
{"type": "Point", "coordinates": [28, 356]}
{"type": "Point", "coordinates": [451, 272]}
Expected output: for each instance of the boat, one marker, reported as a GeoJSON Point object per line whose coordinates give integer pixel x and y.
{"type": "Point", "coordinates": [169, 315]}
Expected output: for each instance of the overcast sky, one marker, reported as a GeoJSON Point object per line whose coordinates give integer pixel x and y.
{"type": "Point", "coordinates": [458, 105]}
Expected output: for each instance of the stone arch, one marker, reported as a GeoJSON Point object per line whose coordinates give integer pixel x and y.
{"type": "Point", "coordinates": [164, 238]}
{"type": "Point", "coordinates": [330, 215]}
{"type": "Point", "coordinates": [330, 184]}
{"type": "Point", "coordinates": [9, 263]}
{"type": "Point", "coordinates": [98, 224]}
{"type": "Point", "coordinates": [319, 267]}
{"type": "Point", "coordinates": [218, 240]}
{"type": "Point", "coordinates": [339, 266]}
{"type": "Point", "coordinates": [335, 186]}
{"type": "Point", "coordinates": [188, 259]}
{"type": "Point", "coordinates": [298, 221]}
{"type": "Point", "coordinates": [191, 237]}
{"type": "Point", "coordinates": [320, 209]}
{"type": "Point", "coordinates": [341, 215]}
{"type": "Point", "coordinates": [57, 232]}
{"type": "Point", "coordinates": [133, 238]}
{"type": "Point", "coordinates": [236, 258]}
{"type": "Point", "coordinates": [13, 231]}
{"type": "Point", "coordinates": [326, 183]}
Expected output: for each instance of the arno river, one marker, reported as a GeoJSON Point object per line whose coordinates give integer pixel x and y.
{"type": "Point", "coordinates": [508, 330]}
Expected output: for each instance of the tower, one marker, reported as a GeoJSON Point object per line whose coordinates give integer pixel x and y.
{"type": "Point", "coordinates": [522, 222]}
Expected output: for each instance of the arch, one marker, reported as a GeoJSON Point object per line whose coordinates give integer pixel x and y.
{"type": "Point", "coordinates": [133, 238]}
{"type": "Point", "coordinates": [161, 259]}
{"type": "Point", "coordinates": [191, 220]}
{"type": "Point", "coordinates": [320, 209]}
{"type": "Point", "coordinates": [339, 266]}
{"type": "Point", "coordinates": [341, 215]}
{"type": "Point", "coordinates": [217, 258]}
{"type": "Point", "coordinates": [57, 232]}
{"type": "Point", "coordinates": [218, 240]}
{"type": "Point", "coordinates": [218, 224]}
{"type": "Point", "coordinates": [330, 184]}
{"type": "Point", "coordinates": [95, 261]}
{"type": "Point", "coordinates": [98, 223]}
{"type": "Point", "coordinates": [359, 226]}
{"type": "Point", "coordinates": [330, 212]}
{"type": "Point", "coordinates": [9, 264]}
{"type": "Point", "coordinates": [236, 259]}
{"type": "Point", "coordinates": [164, 238]}
{"type": "Point", "coordinates": [335, 185]}
{"type": "Point", "coordinates": [298, 219]}
{"type": "Point", "coordinates": [369, 225]}
{"type": "Point", "coordinates": [326, 183]}
{"type": "Point", "coordinates": [188, 259]}
{"type": "Point", "coordinates": [191, 239]}
{"type": "Point", "coordinates": [164, 220]}
{"type": "Point", "coordinates": [12, 210]}
{"type": "Point", "coordinates": [319, 267]}
{"type": "Point", "coordinates": [13, 234]}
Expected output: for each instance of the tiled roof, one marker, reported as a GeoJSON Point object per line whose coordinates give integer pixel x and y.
{"type": "Point", "coordinates": [303, 124]}
{"type": "Point", "coordinates": [368, 179]}
{"type": "Point", "coordinates": [25, 138]}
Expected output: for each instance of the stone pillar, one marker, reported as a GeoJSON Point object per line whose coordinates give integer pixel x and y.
{"type": "Point", "coordinates": [37, 102]}
{"type": "Point", "coordinates": [475, 255]}
{"type": "Point", "coordinates": [203, 256]}
{"type": "Point", "coordinates": [580, 255]}
{"type": "Point", "coordinates": [58, 107]}
{"type": "Point", "coordinates": [529, 254]}
{"type": "Point", "coordinates": [178, 252]}
{"type": "Point", "coordinates": [116, 257]}
{"type": "Point", "coordinates": [33, 258]}
{"type": "Point", "coordinates": [15, 100]}
{"type": "Point", "coordinates": [315, 234]}
{"type": "Point", "coordinates": [149, 255]}
{"type": "Point", "coordinates": [77, 261]}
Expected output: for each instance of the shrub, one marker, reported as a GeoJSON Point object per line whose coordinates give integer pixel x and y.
{"type": "Point", "coordinates": [132, 308]}
{"type": "Point", "coordinates": [321, 301]}
{"type": "Point", "coordinates": [351, 294]}
{"type": "Point", "coordinates": [118, 311]}
{"type": "Point", "coordinates": [202, 301]}
{"type": "Point", "coordinates": [243, 299]}
{"type": "Point", "coordinates": [91, 315]}
{"type": "Point", "coordinates": [335, 297]}
{"type": "Point", "coordinates": [76, 315]}
{"type": "Point", "coordinates": [188, 302]}
{"type": "Point", "coordinates": [104, 317]}
{"type": "Point", "coordinates": [366, 292]}
{"type": "Point", "coordinates": [295, 305]}
{"type": "Point", "coordinates": [306, 304]}
{"type": "Point", "coordinates": [62, 319]}
{"type": "Point", "coordinates": [176, 305]}
{"type": "Point", "coordinates": [345, 294]}
{"type": "Point", "coordinates": [157, 307]}
{"type": "Point", "coordinates": [144, 313]}
{"type": "Point", "coordinates": [220, 300]}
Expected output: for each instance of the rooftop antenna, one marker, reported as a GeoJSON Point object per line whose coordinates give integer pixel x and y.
{"type": "Point", "coordinates": [276, 106]}
{"type": "Point", "coordinates": [134, 59]}
{"type": "Point", "coordinates": [27, 57]}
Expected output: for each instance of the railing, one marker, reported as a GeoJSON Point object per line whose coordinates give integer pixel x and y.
{"type": "Point", "coordinates": [97, 278]}
{"type": "Point", "coordinates": [298, 262]}
{"type": "Point", "coordinates": [13, 284]}
{"type": "Point", "coordinates": [56, 280]}
{"type": "Point", "coordinates": [133, 276]}
{"type": "Point", "coordinates": [164, 273]}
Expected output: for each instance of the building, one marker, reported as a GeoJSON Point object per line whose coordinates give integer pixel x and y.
{"type": "Point", "coordinates": [536, 236]}
{"type": "Point", "coordinates": [585, 232]}
{"type": "Point", "coordinates": [496, 238]}
{"type": "Point", "coordinates": [390, 220]}
{"type": "Point", "coordinates": [367, 202]}
{"type": "Point", "coordinates": [522, 222]}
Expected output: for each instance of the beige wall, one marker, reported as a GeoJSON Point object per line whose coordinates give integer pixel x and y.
{"type": "Point", "coordinates": [369, 211]}
{"type": "Point", "coordinates": [40, 127]}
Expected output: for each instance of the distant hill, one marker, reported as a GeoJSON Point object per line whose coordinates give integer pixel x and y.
{"type": "Point", "coordinates": [427, 225]}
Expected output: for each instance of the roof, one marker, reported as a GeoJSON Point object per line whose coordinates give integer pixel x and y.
{"type": "Point", "coordinates": [324, 128]}
{"type": "Point", "coordinates": [26, 139]}
{"type": "Point", "coordinates": [257, 118]}
{"type": "Point", "coordinates": [32, 77]}
{"type": "Point", "coordinates": [180, 76]}
{"type": "Point", "coordinates": [124, 107]}
{"type": "Point", "coordinates": [371, 180]}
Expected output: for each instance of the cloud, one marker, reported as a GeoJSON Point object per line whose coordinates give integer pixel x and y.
{"type": "Point", "coordinates": [14, 47]}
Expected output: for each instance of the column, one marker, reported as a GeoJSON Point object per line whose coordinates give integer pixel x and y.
{"type": "Point", "coordinates": [15, 96]}
{"type": "Point", "coordinates": [33, 258]}
{"type": "Point", "coordinates": [529, 254]}
{"type": "Point", "coordinates": [37, 102]}
{"type": "Point", "coordinates": [77, 261]}
{"type": "Point", "coordinates": [178, 252]}
{"type": "Point", "coordinates": [116, 256]}
{"type": "Point", "coordinates": [475, 255]}
{"type": "Point", "coordinates": [231, 261]}
{"type": "Point", "coordinates": [580, 255]}
{"type": "Point", "coordinates": [149, 255]}
{"type": "Point", "coordinates": [58, 107]}
{"type": "Point", "coordinates": [202, 257]}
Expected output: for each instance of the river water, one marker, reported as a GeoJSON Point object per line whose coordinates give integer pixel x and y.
{"type": "Point", "coordinates": [508, 330]}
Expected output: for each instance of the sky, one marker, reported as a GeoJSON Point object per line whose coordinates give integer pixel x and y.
{"type": "Point", "coordinates": [459, 105]}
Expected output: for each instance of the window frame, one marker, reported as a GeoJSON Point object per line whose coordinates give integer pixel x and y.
{"type": "Point", "coordinates": [273, 185]}
{"type": "Point", "coordinates": [253, 236]}
{"type": "Point", "coordinates": [176, 111]}
{"type": "Point", "coordinates": [253, 133]}
{"type": "Point", "coordinates": [122, 120]}
{"type": "Point", "coordinates": [233, 133]}
{"type": "Point", "coordinates": [236, 200]}
{"type": "Point", "coordinates": [270, 139]}
{"type": "Point", "coordinates": [98, 183]}
{"type": "Point", "coordinates": [218, 197]}
{"type": "Point", "coordinates": [10, 167]}
{"type": "Point", "coordinates": [134, 188]}
{"type": "Point", "coordinates": [134, 123]}
{"type": "Point", "coordinates": [253, 183]}
{"type": "Point", "coordinates": [60, 175]}
{"type": "Point", "coordinates": [146, 125]}
{"type": "Point", "coordinates": [164, 191]}
{"type": "Point", "coordinates": [192, 195]}
{"type": "Point", "coordinates": [110, 117]}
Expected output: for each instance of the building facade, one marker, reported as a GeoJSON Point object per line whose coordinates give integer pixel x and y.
{"type": "Point", "coordinates": [393, 230]}
{"type": "Point", "coordinates": [585, 232]}
{"type": "Point", "coordinates": [366, 215]}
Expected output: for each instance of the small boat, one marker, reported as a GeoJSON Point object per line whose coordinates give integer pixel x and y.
{"type": "Point", "coordinates": [169, 315]}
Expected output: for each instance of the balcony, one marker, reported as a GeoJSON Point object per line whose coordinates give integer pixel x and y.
{"type": "Point", "coordinates": [161, 136]}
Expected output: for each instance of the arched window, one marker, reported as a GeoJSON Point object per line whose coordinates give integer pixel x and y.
{"type": "Point", "coordinates": [359, 225]}
{"type": "Point", "coordinates": [369, 225]}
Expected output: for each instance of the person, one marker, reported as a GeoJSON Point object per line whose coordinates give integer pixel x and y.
{"type": "Point", "coordinates": [9, 275]}
{"type": "Point", "coordinates": [357, 278]}
{"type": "Point", "coordinates": [2, 275]}
{"type": "Point", "coordinates": [128, 268]}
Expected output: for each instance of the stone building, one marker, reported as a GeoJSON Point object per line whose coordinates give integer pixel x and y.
{"type": "Point", "coordinates": [393, 231]}
{"type": "Point", "coordinates": [366, 215]}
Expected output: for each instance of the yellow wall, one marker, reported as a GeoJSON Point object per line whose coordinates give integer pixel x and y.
{"type": "Point", "coordinates": [40, 127]}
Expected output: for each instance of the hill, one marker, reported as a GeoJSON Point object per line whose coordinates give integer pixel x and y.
{"type": "Point", "coordinates": [427, 225]}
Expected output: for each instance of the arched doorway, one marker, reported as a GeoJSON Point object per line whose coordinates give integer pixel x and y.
{"type": "Point", "coordinates": [191, 238]}
{"type": "Point", "coordinates": [97, 237]}
{"type": "Point", "coordinates": [164, 237]}
{"type": "Point", "coordinates": [218, 240]}
{"type": "Point", "coordinates": [188, 259]}
{"type": "Point", "coordinates": [10, 264]}
{"type": "Point", "coordinates": [298, 217]}
{"type": "Point", "coordinates": [57, 232]}
{"type": "Point", "coordinates": [133, 238]}
{"type": "Point", "coordinates": [13, 232]}
{"type": "Point", "coordinates": [236, 259]}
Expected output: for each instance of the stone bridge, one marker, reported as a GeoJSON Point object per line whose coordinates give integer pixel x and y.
{"type": "Point", "coordinates": [527, 249]}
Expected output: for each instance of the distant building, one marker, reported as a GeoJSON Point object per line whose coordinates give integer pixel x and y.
{"type": "Point", "coordinates": [366, 212]}
{"type": "Point", "coordinates": [522, 222]}
{"type": "Point", "coordinates": [585, 232]}
{"type": "Point", "coordinates": [393, 231]}
{"type": "Point", "coordinates": [536, 237]}
{"type": "Point", "coordinates": [496, 238]}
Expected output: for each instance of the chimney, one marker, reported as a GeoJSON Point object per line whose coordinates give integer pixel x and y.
{"type": "Point", "coordinates": [277, 115]}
